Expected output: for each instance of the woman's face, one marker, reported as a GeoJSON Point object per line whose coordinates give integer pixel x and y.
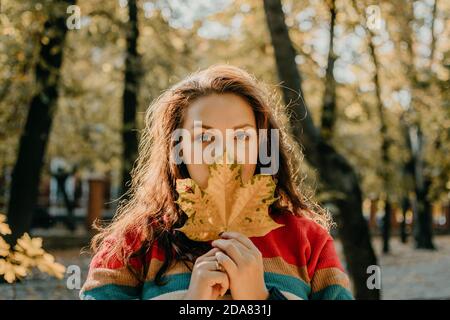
{"type": "Point", "coordinates": [219, 123]}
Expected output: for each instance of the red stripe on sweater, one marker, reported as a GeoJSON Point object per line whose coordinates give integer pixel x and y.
{"type": "Point", "coordinates": [301, 242]}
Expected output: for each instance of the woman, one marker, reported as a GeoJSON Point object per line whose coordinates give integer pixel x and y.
{"type": "Point", "coordinates": [141, 255]}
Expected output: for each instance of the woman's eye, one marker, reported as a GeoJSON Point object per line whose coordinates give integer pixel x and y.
{"type": "Point", "coordinates": [241, 135]}
{"type": "Point", "coordinates": [204, 137]}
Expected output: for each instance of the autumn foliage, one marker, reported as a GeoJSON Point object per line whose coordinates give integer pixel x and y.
{"type": "Point", "coordinates": [16, 263]}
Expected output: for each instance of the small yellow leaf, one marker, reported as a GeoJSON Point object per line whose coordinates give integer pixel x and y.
{"type": "Point", "coordinates": [4, 228]}
{"type": "Point", "coordinates": [23, 259]}
{"type": "Point", "coordinates": [28, 254]}
{"type": "Point", "coordinates": [30, 246]}
{"type": "Point", "coordinates": [47, 264]}
{"type": "Point", "coordinates": [227, 204]}
{"type": "Point", "coordinates": [10, 271]}
{"type": "Point", "coordinates": [4, 248]}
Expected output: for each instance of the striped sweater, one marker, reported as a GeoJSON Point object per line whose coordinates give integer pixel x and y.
{"type": "Point", "coordinates": [299, 259]}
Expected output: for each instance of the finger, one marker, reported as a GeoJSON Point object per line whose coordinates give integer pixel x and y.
{"type": "Point", "coordinates": [227, 263]}
{"type": "Point", "coordinates": [211, 258]}
{"type": "Point", "coordinates": [239, 237]}
{"type": "Point", "coordinates": [208, 265]}
{"type": "Point", "coordinates": [217, 277]}
{"type": "Point", "coordinates": [217, 291]}
{"type": "Point", "coordinates": [204, 259]}
{"type": "Point", "coordinates": [210, 253]}
{"type": "Point", "coordinates": [241, 247]}
{"type": "Point", "coordinates": [224, 282]}
{"type": "Point", "coordinates": [232, 248]}
{"type": "Point", "coordinates": [224, 289]}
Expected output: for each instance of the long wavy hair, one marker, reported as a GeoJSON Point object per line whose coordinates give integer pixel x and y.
{"type": "Point", "coordinates": [149, 211]}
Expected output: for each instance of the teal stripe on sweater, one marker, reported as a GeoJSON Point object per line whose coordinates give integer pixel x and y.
{"type": "Point", "coordinates": [173, 282]}
{"type": "Point", "coordinates": [287, 283]}
{"type": "Point", "coordinates": [333, 292]}
{"type": "Point", "coordinates": [112, 292]}
{"type": "Point", "coordinates": [181, 282]}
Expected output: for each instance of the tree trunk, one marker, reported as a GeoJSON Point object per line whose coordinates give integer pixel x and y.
{"type": "Point", "coordinates": [433, 35]}
{"type": "Point", "coordinates": [34, 138]}
{"type": "Point", "coordinates": [423, 228]}
{"type": "Point", "coordinates": [329, 99]}
{"type": "Point", "coordinates": [130, 97]}
{"type": "Point", "coordinates": [423, 233]}
{"type": "Point", "coordinates": [403, 232]}
{"type": "Point", "coordinates": [373, 213]}
{"type": "Point", "coordinates": [384, 143]}
{"type": "Point", "coordinates": [386, 231]}
{"type": "Point", "coordinates": [423, 222]}
{"type": "Point", "coordinates": [334, 170]}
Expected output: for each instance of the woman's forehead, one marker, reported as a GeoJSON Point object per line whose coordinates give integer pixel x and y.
{"type": "Point", "coordinates": [219, 110]}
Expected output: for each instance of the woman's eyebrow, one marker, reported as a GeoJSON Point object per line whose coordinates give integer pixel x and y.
{"type": "Point", "coordinates": [235, 127]}
{"type": "Point", "coordinates": [243, 126]}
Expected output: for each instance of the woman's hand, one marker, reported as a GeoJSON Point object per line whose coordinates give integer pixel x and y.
{"type": "Point", "coordinates": [207, 283]}
{"type": "Point", "coordinates": [243, 263]}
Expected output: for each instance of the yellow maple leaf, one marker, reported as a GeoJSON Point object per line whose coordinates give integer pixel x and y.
{"type": "Point", "coordinates": [4, 228]}
{"type": "Point", "coordinates": [227, 204]}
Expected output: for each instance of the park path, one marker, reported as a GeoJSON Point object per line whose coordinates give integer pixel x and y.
{"type": "Point", "coordinates": [409, 273]}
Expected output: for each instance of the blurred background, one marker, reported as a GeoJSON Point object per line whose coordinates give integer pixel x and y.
{"type": "Point", "coordinates": [77, 76]}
